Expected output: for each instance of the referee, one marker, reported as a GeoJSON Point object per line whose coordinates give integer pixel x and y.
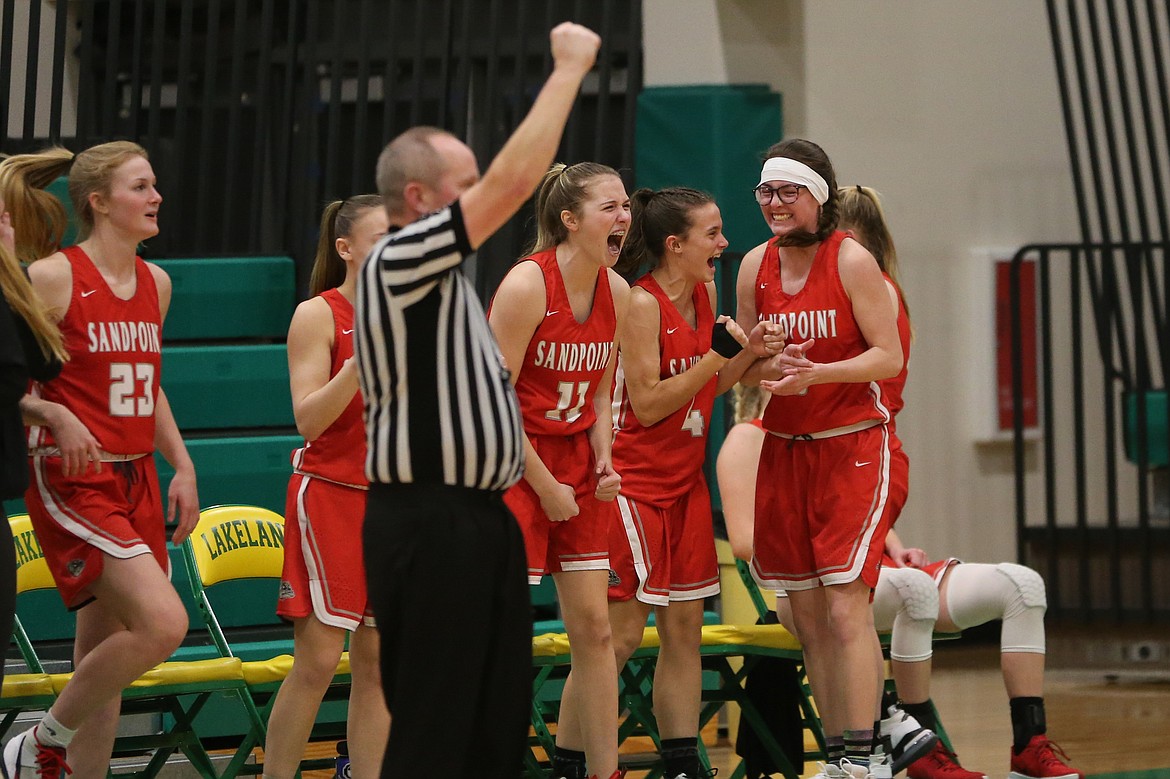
{"type": "Point", "coordinates": [444, 559]}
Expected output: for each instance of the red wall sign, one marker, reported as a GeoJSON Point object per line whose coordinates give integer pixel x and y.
{"type": "Point", "coordinates": [1003, 342]}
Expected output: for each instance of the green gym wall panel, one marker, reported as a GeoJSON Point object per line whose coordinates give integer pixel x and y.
{"type": "Point", "coordinates": [713, 138]}
{"type": "Point", "coordinates": [252, 470]}
{"type": "Point", "coordinates": [230, 297]}
{"type": "Point", "coordinates": [228, 386]}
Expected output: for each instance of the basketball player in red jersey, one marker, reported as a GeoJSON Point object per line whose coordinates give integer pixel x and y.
{"type": "Point", "coordinates": [662, 543]}
{"type": "Point", "coordinates": [555, 316]}
{"type": "Point", "coordinates": [94, 498]}
{"type": "Point", "coordinates": [323, 588]}
{"type": "Point", "coordinates": [822, 506]}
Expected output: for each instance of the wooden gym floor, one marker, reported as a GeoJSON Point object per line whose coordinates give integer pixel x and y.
{"type": "Point", "coordinates": [1113, 725]}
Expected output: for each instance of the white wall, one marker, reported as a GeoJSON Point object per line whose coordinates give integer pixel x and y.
{"type": "Point", "coordinates": [950, 109]}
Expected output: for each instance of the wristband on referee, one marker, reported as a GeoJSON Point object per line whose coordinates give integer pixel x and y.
{"type": "Point", "coordinates": [723, 342]}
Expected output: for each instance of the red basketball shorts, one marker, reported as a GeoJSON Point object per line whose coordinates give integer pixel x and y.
{"type": "Point", "coordinates": [78, 519]}
{"type": "Point", "coordinates": [324, 574]}
{"type": "Point", "coordinates": [659, 554]}
{"type": "Point", "coordinates": [580, 543]}
{"type": "Point", "coordinates": [823, 508]}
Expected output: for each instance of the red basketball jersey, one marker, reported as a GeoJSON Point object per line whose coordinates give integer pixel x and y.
{"type": "Point", "coordinates": [660, 463]}
{"type": "Point", "coordinates": [892, 388]}
{"type": "Point", "coordinates": [823, 311]}
{"type": "Point", "coordinates": [566, 358]}
{"type": "Point", "coordinates": [339, 453]}
{"type": "Point", "coordinates": [111, 379]}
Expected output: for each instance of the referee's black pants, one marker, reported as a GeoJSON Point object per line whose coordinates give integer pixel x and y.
{"type": "Point", "coordinates": [448, 583]}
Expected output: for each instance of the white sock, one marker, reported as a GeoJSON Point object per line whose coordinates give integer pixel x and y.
{"type": "Point", "coordinates": [52, 733]}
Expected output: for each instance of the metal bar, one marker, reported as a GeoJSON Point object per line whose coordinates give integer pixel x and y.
{"type": "Point", "coordinates": [263, 160]}
{"type": "Point", "coordinates": [1131, 141]}
{"type": "Point", "coordinates": [1106, 108]}
{"type": "Point", "coordinates": [1080, 460]}
{"type": "Point", "coordinates": [329, 186]}
{"type": "Point", "coordinates": [1137, 167]}
{"type": "Point", "coordinates": [419, 66]}
{"type": "Point", "coordinates": [390, 78]}
{"type": "Point", "coordinates": [158, 46]}
{"type": "Point", "coordinates": [203, 224]}
{"type": "Point", "coordinates": [1098, 184]}
{"type": "Point", "coordinates": [135, 85]}
{"type": "Point", "coordinates": [633, 84]}
{"type": "Point", "coordinates": [1133, 260]}
{"type": "Point", "coordinates": [1151, 136]}
{"type": "Point", "coordinates": [1017, 404]}
{"type": "Point", "coordinates": [30, 73]}
{"type": "Point", "coordinates": [571, 142]}
{"type": "Point", "coordinates": [182, 103]}
{"type": "Point", "coordinates": [85, 109]}
{"type": "Point", "coordinates": [462, 113]}
{"type": "Point", "coordinates": [447, 30]}
{"type": "Point", "coordinates": [285, 158]}
{"type": "Point", "coordinates": [110, 97]}
{"type": "Point", "coordinates": [359, 172]}
{"type": "Point", "coordinates": [305, 174]}
{"type": "Point", "coordinates": [604, 74]}
{"type": "Point", "coordinates": [57, 100]}
{"type": "Point", "coordinates": [491, 77]}
{"type": "Point", "coordinates": [1111, 488]}
{"type": "Point", "coordinates": [7, 21]}
{"type": "Point", "coordinates": [1158, 45]}
{"type": "Point", "coordinates": [1047, 412]}
{"type": "Point", "coordinates": [227, 214]}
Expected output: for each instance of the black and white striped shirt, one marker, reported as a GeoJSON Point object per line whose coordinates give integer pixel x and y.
{"type": "Point", "coordinates": [439, 404]}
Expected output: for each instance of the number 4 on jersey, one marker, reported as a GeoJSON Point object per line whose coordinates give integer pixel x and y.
{"type": "Point", "coordinates": [693, 422]}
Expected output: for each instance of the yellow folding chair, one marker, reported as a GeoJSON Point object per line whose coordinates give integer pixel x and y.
{"type": "Point", "coordinates": [178, 690]}
{"type": "Point", "coordinates": [235, 544]}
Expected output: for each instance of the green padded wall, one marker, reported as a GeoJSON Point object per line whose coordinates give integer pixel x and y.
{"type": "Point", "coordinates": [252, 470]}
{"type": "Point", "coordinates": [711, 138]}
{"type": "Point", "coordinates": [228, 386]}
{"type": "Point", "coordinates": [60, 190]}
{"type": "Point", "coordinates": [1157, 453]}
{"type": "Point", "coordinates": [230, 297]}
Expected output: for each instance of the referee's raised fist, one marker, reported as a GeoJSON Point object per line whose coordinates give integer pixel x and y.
{"type": "Point", "coordinates": [574, 46]}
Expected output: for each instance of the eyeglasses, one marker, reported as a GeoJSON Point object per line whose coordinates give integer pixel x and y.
{"type": "Point", "coordinates": [787, 193]}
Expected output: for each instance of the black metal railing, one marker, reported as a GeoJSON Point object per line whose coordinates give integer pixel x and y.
{"type": "Point", "coordinates": [1092, 491]}
{"type": "Point", "coordinates": [1097, 521]}
{"type": "Point", "coordinates": [256, 112]}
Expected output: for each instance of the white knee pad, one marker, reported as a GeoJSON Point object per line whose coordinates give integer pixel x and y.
{"type": "Point", "coordinates": [906, 603]}
{"type": "Point", "coordinates": [978, 593]}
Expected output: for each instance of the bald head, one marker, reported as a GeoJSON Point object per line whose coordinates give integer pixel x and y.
{"type": "Point", "coordinates": [422, 170]}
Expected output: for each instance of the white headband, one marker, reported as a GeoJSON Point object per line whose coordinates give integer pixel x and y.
{"type": "Point", "coordinates": [785, 169]}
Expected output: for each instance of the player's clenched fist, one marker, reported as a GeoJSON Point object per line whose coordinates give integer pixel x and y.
{"type": "Point", "coordinates": [574, 47]}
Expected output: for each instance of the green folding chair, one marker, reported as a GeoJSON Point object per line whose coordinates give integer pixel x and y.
{"type": "Point", "coordinates": [177, 690]}
{"type": "Point", "coordinates": [233, 544]}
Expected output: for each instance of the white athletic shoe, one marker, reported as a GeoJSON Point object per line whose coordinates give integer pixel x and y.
{"type": "Point", "coordinates": [842, 769]}
{"type": "Point", "coordinates": [41, 761]}
{"type": "Point", "coordinates": [904, 740]}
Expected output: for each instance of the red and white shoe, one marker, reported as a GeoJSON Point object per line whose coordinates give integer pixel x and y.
{"type": "Point", "coordinates": [39, 760]}
{"type": "Point", "coordinates": [1042, 759]}
{"type": "Point", "coordinates": [940, 763]}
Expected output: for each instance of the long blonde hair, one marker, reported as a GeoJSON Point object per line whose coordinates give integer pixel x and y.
{"type": "Point", "coordinates": [861, 213]}
{"type": "Point", "coordinates": [749, 402]}
{"type": "Point", "coordinates": [28, 306]}
{"type": "Point", "coordinates": [38, 218]}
